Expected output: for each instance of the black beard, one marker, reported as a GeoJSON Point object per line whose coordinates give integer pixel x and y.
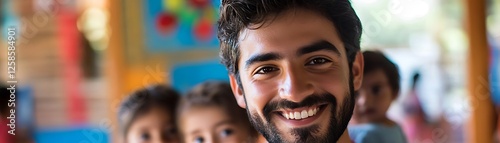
{"type": "Point", "coordinates": [338, 121]}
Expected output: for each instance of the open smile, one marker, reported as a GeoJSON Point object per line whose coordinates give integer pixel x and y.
{"type": "Point", "coordinates": [303, 116]}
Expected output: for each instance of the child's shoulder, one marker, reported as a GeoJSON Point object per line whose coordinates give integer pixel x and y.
{"type": "Point", "coordinates": [375, 132]}
{"type": "Point", "coordinates": [363, 128]}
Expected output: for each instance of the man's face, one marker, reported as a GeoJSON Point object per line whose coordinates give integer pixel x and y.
{"type": "Point", "coordinates": [295, 78]}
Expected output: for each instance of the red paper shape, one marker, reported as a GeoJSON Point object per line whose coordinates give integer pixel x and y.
{"type": "Point", "coordinates": [166, 23]}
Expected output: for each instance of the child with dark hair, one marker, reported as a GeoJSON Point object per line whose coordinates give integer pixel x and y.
{"type": "Point", "coordinates": [379, 88]}
{"type": "Point", "coordinates": [209, 113]}
{"type": "Point", "coordinates": [148, 115]}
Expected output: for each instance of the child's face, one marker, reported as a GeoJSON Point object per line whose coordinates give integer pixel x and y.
{"type": "Point", "coordinates": [154, 126]}
{"type": "Point", "coordinates": [373, 98]}
{"type": "Point", "coordinates": [211, 125]}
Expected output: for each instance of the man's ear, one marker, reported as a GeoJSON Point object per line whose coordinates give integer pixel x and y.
{"type": "Point", "coordinates": [357, 70]}
{"type": "Point", "coordinates": [238, 93]}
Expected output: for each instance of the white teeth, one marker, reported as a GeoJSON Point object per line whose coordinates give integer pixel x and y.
{"type": "Point", "coordinates": [310, 112]}
{"type": "Point", "coordinates": [297, 115]}
{"type": "Point", "coordinates": [300, 115]}
{"type": "Point", "coordinates": [303, 114]}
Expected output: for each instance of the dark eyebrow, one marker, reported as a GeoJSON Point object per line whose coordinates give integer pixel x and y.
{"type": "Point", "coordinates": [262, 58]}
{"type": "Point", "coordinates": [318, 46]}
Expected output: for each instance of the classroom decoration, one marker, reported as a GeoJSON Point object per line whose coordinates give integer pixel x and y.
{"type": "Point", "coordinates": [180, 25]}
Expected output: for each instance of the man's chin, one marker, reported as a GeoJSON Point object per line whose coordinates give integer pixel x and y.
{"type": "Point", "coordinates": [326, 125]}
{"type": "Point", "coordinates": [303, 134]}
{"type": "Point", "coordinates": [303, 129]}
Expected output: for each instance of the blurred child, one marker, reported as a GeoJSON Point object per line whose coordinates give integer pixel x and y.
{"type": "Point", "coordinates": [415, 123]}
{"type": "Point", "coordinates": [380, 87]}
{"type": "Point", "coordinates": [147, 116]}
{"type": "Point", "coordinates": [209, 114]}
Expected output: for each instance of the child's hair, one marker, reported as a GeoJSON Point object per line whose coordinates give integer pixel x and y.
{"type": "Point", "coordinates": [143, 100]}
{"type": "Point", "coordinates": [219, 94]}
{"type": "Point", "coordinates": [375, 60]}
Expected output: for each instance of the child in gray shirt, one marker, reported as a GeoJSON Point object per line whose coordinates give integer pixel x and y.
{"type": "Point", "coordinates": [380, 87]}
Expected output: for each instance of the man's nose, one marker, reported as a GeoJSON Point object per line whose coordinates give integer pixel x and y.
{"type": "Point", "coordinates": [295, 85]}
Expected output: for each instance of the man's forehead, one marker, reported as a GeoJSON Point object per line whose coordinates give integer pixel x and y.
{"type": "Point", "coordinates": [292, 17]}
{"type": "Point", "coordinates": [289, 34]}
{"type": "Point", "coordinates": [289, 24]}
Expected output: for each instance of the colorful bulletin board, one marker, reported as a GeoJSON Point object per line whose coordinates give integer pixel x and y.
{"type": "Point", "coordinates": [179, 25]}
{"type": "Point", "coordinates": [188, 75]}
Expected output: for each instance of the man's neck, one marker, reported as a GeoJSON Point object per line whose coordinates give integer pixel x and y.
{"type": "Point", "coordinates": [344, 138]}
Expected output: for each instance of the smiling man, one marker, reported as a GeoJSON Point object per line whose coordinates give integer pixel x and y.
{"type": "Point", "coordinates": [294, 65]}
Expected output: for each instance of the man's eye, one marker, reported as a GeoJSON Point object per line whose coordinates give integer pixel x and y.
{"type": "Point", "coordinates": [317, 61]}
{"type": "Point", "coordinates": [198, 140]}
{"type": "Point", "coordinates": [265, 70]}
{"type": "Point", "coordinates": [145, 136]}
{"type": "Point", "coordinates": [226, 132]}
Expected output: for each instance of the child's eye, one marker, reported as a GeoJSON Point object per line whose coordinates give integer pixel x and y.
{"type": "Point", "coordinates": [376, 89]}
{"type": "Point", "coordinates": [356, 94]}
{"type": "Point", "coordinates": [226, 132]}
{"type": "Point", "coordinates": [198, 140]}
{"type": "Point", "coordinates": [145, 136]}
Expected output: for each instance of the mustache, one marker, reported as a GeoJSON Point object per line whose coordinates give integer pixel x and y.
{"type": "Point", "coordinates": [310, 100]}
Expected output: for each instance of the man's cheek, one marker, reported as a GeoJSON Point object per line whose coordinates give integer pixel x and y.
{"type": "Point", "coordinates": [334, 86]}
{"type": "Point", "coordinates": [261, 94]}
